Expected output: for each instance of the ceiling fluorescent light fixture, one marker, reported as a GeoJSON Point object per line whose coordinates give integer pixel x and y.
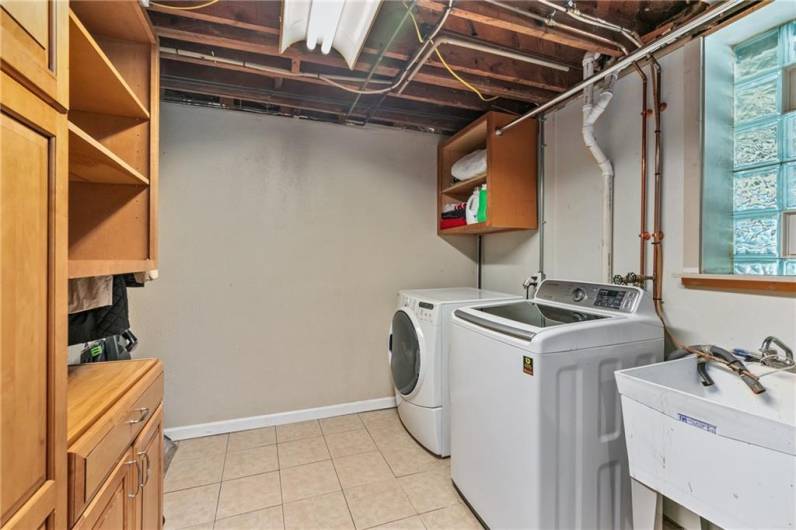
{"type": "Point", "coordinates": [339, 24]}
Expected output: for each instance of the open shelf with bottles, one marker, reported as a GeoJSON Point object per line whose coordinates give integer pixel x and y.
{"type": "Point", "coordinates": [510, 178]}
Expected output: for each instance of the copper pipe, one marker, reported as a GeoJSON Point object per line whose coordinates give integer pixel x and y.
{"type": "Point", "coordinates": [657, 234]}
{"type": "Point", "coordinates": [643, 235]}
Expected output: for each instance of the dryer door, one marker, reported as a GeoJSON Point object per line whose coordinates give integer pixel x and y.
{"type": "Point", "coordinates": [405, 344]}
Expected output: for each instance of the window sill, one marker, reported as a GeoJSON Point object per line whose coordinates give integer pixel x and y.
{"type": "Point", "coordinates": [737, 282]}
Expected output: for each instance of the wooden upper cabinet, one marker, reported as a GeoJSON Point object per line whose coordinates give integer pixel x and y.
{"type": "Point", "coordinates": [32, 308]}
{"type": "Point", "coordinates": [510, 177]}
{"type": "Point", "coordinates": [34, 47]}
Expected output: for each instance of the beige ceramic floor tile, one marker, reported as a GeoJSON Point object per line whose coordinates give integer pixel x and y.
{"type": "Point", "coordinates": [251, 462]}
{"type": "Point", "coordinates": [297, 431]}
{"type": "Point", "coordinates": [349, 443]}
{"type": "Point", "coordinates": [202, 447]}
{"type": "Point", "coordinates": [378, 503]}
{"type": "Point", "coordinates": [429, 491]}
{"type": "Point", "coordinates": [350, 422]}
{"type": "Point", "coordinates": [410, 523]}
{"type": "Point", "coordinates": [309, 480]}
{"type": "Point", "coordinates": [249, 494]}
{"type": "Point", "coordinates": [327, 512]}
{"type": "Point", "coordinates": [268, 519]}
{"type": "Point", "coordinates": [203, 526]}
{"type": "Point", "coordinates": [304, 451]}
{"type": "Point", "coordinates": [356, 470]}
{"type": "Point", "coordinates": [191, 472]}
{"type": "Point", "coordinates": [190, 507]}
{"type": "Point", "coordinates": [396, 435]}
{"type": "Point", "coordinates": [239, 441]}
{"type": "Point", "coordinates": [456, 517]}
{"type": "Point", "coordinates": [408, 459]}
{"type": "Point", "coordinates": [380, 419]}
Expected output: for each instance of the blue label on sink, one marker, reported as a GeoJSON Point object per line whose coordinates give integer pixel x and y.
{"type": "Point", "coordinates": [705, 426]}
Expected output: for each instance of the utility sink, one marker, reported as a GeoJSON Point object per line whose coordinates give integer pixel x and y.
{"type": "Point", "coordinates": [721, 451]}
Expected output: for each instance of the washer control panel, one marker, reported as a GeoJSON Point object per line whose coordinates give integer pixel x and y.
{"type": "Point", "coordinates": [609, 297]}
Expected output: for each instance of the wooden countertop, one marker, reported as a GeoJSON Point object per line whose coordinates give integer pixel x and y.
{"type": "Point", "coordinates": [94, 388]}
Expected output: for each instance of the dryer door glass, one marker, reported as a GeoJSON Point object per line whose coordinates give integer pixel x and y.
{"type": "Point", "coordinates": [405, 353]}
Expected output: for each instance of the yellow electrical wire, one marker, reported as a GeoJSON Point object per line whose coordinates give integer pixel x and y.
{"type": "Point", "coordinates": [188, 8]}
{"type": "Point", "coordinates": [444, 63]}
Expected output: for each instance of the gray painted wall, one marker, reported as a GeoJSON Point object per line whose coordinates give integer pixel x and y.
{"type": "Point", "coordinates": [283, 244]}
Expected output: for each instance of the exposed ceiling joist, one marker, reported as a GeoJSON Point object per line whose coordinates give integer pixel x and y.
{"type": "Point", "coordinates": [230, 50]}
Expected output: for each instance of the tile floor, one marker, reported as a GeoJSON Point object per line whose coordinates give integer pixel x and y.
{"type": "Point", "coordinates": [348, 472]}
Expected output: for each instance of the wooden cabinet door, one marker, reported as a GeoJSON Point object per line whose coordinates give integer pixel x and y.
{"type": "Point", "coordinates": [32, 309]}
{"type": "Point", "coordinates": [34, 47]}
{"type": "Point", "coordinates": [112, 507]}
{"type": "Point", "coordinates": [149, 453]}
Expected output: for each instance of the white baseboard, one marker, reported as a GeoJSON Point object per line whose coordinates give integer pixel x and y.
{"type": "Point", "coordinates": [279, 418]}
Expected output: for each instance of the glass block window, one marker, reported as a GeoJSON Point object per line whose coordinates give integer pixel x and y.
{"type": "Point", "coordinates": [764, 151]}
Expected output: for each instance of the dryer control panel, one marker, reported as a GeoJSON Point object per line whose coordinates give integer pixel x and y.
{"type": "Point", "coordinates": [423, 311]}
{"type": "Point", "coordinates": [608, 297]}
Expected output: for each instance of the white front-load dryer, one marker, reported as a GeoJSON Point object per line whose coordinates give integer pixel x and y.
{"type": "Point", "coordinates": [419, 359]}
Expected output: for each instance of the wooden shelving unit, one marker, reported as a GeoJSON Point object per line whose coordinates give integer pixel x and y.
{"type": "Point", "coordinates": [465, 188]}
{"type": "Point", "coordinates": [113, 139]}
{"type": "Point", "coordinates": [510, 178]}
{"type": "Point", "coordinates": [95, 85]}
{"type": "Point", "coordinates": [90, 161]}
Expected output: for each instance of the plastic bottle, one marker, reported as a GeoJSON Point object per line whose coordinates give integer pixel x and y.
{"type": "Point", "coordinates": [482, 204]}
{"type": "Point", "coordinates": [472, 207]}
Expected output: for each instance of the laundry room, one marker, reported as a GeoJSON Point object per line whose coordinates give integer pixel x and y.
{"type": "Point", "coordinates": [418, 264]}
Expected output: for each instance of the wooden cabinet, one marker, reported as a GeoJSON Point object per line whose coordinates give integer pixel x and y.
{"type": "Point", "coordinates": [112, 508]}
{"type": "Point", "coordinates": [113, 139]}
{"type": "Point", "coordinates": [33, 172]}
{"type": "Point", "coordinates": [34, 43]}
{"type": "Point", "coordinates": [107, 147]}
{"type": "Point", "coordinates": [148, 449]}
{"type": "Point", "coordinates": [510, 178]}
{"type": "Point", "coordinates": [114, 412]}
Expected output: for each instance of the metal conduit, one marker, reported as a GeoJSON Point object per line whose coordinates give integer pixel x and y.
{"type": "Point", "coordinates": [573, 12]}
{"type": "Point", "coordinates": [548, 21]}
{"type": "Point", "coordinates": [261, 67]}
{"type": "Point", "coordinates": [492, 49]}
{"type": "Point", "coordinates": [628, 60]}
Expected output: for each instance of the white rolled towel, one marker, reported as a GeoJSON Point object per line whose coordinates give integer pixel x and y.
{"type": "Point", "coordinates": [470, 165]}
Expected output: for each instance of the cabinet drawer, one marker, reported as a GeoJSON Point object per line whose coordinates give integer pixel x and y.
{"type": "Point", "coordinates": [90, 465]}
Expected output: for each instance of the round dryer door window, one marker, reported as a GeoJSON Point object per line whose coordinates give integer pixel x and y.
{"type": "Point", "coordinates": [405, 353]}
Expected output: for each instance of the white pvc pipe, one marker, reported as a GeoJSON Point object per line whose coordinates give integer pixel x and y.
{"type": "Point", "coordinates": [591, 113]}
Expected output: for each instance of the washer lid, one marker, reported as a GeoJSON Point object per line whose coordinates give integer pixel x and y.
{"type": "Point", "coordinates": [537, 315]}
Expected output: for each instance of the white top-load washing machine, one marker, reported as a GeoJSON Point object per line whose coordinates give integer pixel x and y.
{"type": "Point", "coordinates": [418, 355]}
{"type": "Point", "coordinates": [536, 427]}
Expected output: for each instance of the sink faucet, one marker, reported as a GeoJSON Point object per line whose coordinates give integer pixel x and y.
{"type": "Point", "coordinates": [776, 358]}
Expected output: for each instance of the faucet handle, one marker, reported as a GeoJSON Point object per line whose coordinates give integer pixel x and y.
{"type": "Point", "coordinates": [769, 353]}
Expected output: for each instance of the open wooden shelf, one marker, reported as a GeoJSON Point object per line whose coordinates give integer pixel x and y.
{"type": "Point", "coordinates": [118, 20]}
{"type": "Point", "coordinates": [95, 85]}
{"type": "Point", "coordinates": [462, 190]}
{"type": "Point", "coordinates": [510, 178]}
{"type": "Point", "coordinates": [102, 267]}
{"type": "Point", "coordinates": [473, 229]}
{"type": "Point", "coordinates": [90, 161]}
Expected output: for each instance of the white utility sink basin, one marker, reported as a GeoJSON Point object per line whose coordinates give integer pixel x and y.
{"type": "Point", "coordinates": [723, 452]}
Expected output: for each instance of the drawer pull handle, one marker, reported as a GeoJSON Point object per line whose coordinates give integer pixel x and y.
{"type": "Point", "coordinates": [142, 415]}
{"type": "Point", "coordinates": [135, 493]}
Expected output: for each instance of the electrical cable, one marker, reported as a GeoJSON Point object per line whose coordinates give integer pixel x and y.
{"type": "Point", "coordinates": [444, 63]}
{"type": "Point", "coordinates": [187, 8]}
